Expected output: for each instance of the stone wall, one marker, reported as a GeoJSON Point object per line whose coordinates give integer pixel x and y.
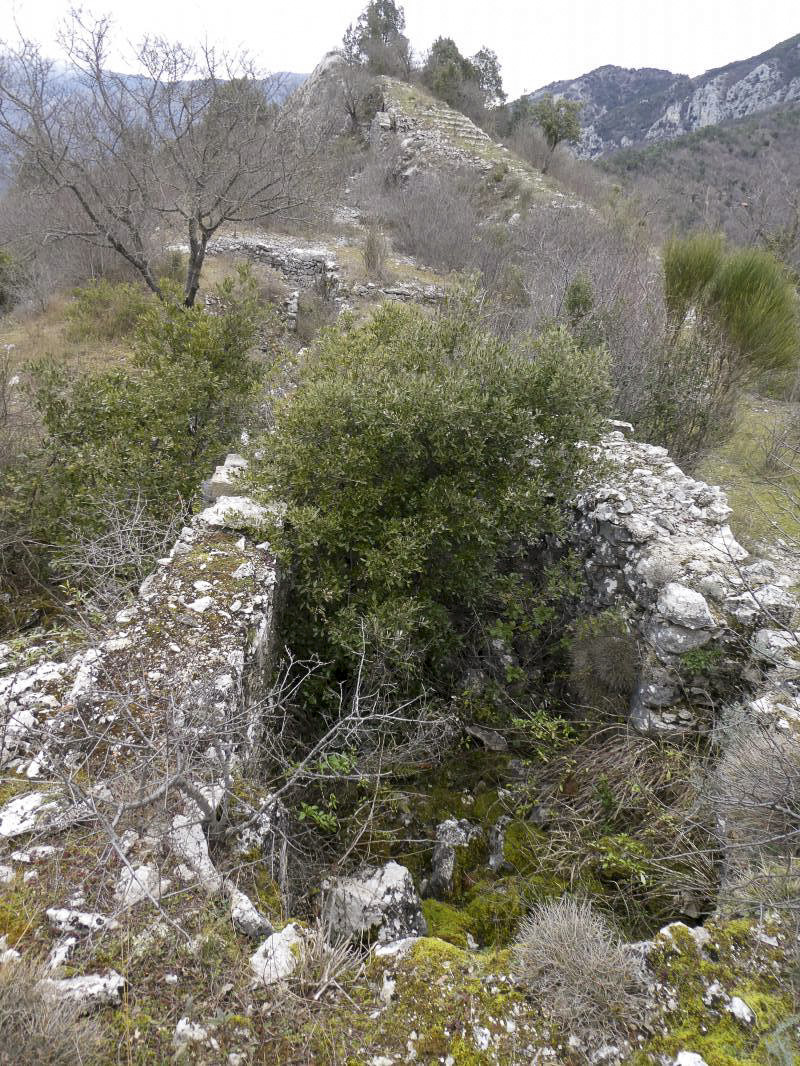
{"type": "Point", "coordinates": [657, 546]}
{"type": "Point", "coordinates": [315, 267]}
{"type": "Point", "coordinates": [196, 642]}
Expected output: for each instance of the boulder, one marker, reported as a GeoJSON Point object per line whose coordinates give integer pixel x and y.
{"type": "Point", "coordinates": [684, 607]}
{"type": "Point", "coordinates": [375, 904]}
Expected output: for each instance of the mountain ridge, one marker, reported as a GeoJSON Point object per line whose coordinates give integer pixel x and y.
{"type": "Point", "coordinates": [627, 107]}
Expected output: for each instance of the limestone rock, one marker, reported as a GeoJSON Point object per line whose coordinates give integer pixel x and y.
{"type": "Point", "coordinates": [684, 607]}
{"type": "Point", "coordinates": [452, 836]}
{"type": "Point", "coordinates": [86, 993]}
{"type": "Point", "coordinates": [138, 884]}
{"type": "Point", "coordinates": [70, 920]}
{"type": "Point", "coordinates": [376, 903]}
{"type": "Point", "coordinates": [277, 958]}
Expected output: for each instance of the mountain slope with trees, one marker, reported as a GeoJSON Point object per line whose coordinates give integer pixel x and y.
{"type": "Point", "coordinates": [623, 107]}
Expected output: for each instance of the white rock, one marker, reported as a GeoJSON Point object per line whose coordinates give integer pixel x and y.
{"type": "Point", "coordinates": [395, 949]}
{"type": "Point", "coordinates": [382, 901]}
{"type": "Point", "coordinates": [233, 512]}
{"type": "Point", "coordinates": [684, 607]}
{"type": "Point", "coordinates": [142, 883]}
{"type": "Point", "coordinates": [201, 604]}
{"type": "Point", "coordinates": [6, 875]}
{"type": "Point", "coordinates": [68, 920]}
{"type": "Point", "coordinates": [689, 1058]}
{"type": "Point", "coordinates": [35, 854]}
{"type": "Point", "coordinates": [277, 958]}
{"type": "Point", "coordinates": [188, 841]}
{"type": "Point", "coordinates": [86, 993]}
{"type": "Point", "coordinates": [482, 1037]}
{"type": "Point", "coordinates": [187, 1033]}
{"type": "Point", "coordinates": [24, 813]}
{"type": "Point", "coordinates": [741, 1012]}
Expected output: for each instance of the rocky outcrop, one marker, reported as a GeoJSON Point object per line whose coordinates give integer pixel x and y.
{"type": "Point", "coordinates": [624, 107]}
{"type": "Point", "coordinates": [454, 838]}
{"type": "Point", "coordinates": [657, 546]}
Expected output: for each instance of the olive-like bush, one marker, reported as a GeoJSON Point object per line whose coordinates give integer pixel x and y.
{"type": "Point", "coordinates": [417, 458]}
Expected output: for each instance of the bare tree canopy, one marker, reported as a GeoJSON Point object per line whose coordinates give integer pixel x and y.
{"type": "Point", "coordinates": [191, 140]}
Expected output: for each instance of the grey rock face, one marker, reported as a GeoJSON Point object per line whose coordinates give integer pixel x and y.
{"type": "Point", "coordinates": [452, 836]}
{"type": "Point", "coordinates": [380, 904]}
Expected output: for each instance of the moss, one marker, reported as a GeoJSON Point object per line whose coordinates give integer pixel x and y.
{"type": "Point", "coordinates": [744, 967]}
{"type": "Point", "coordinates": [470, 863]}
{"type": "Point", "coordinates": [522, 846]}
{"type": "Point", "coordinates": [446, 922]}
{"type": "Point", "coordinates": [21, 910]}
{"type": "Point", "coordinates": [494, 911]}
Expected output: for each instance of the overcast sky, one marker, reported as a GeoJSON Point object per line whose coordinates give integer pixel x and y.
{"type": "Point", "coordinates": [538, 41]}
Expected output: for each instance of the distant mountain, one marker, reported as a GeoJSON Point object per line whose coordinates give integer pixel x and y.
{"type": "Point", "coordinates": [624, 108]}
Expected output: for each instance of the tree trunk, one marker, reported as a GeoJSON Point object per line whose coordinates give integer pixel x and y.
{"type": "Point", "coordinates": [197, 255]}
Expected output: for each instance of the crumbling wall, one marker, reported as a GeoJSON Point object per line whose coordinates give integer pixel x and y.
{"type": "Point", "coordinates": [657, 545]}
{"type": "Point", "coordinates": [306, 266]}
{"type": "Point", "coordinates": [201, 630]}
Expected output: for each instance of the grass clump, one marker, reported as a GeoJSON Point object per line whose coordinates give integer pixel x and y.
{"type": "Point", "coordinates": [572, 961]}
{"type": "Point", "coordinates": [38, 1030]}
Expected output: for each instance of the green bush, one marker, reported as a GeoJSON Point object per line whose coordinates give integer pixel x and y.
{"type": "Point", "coordinates": [105, 311]}
{"type": "Point", "coordinates": [744, 294]}
{"type": "Point", "coordinates": [8, 278]}
{"type": "Point", "coordinates": [690, 263]}
{"type": "Point", "coordinates": [415, 458]}
{"type": "Point", "coordinates": [115, 440]}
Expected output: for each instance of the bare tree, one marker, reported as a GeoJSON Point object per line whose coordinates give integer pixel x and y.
{"type": "Point", "coordinates": [189, 141]}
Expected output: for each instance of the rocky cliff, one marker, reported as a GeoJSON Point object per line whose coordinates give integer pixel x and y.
{"type": "Point", "coordinates": [623, 107]}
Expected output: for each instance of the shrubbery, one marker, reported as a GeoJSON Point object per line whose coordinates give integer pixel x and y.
{"type": "Point", "coordinates": [125, 442]}
{"type": "Point", "coordinates": [416, 459]}
{"type": "Point", "coordinates": [744, 293]}
{"type": "Point", "coordinates": [105, 311]}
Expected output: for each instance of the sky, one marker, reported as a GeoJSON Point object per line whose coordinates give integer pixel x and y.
{"type": "Point", "coordinates": [537, 41]}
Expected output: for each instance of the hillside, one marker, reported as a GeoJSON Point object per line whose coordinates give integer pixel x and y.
{"type": "Point", "coordinates": [387, 674]}
{"type": "Point", "coordinates": [624, 108]}
{"type": "Point", "coordinates": [736, 177]}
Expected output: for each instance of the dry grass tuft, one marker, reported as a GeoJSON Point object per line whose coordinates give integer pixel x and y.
{"type": "Point", "coordinates": [587, 980]}
{"type": "Point", "coordinates": [37, 1031]}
